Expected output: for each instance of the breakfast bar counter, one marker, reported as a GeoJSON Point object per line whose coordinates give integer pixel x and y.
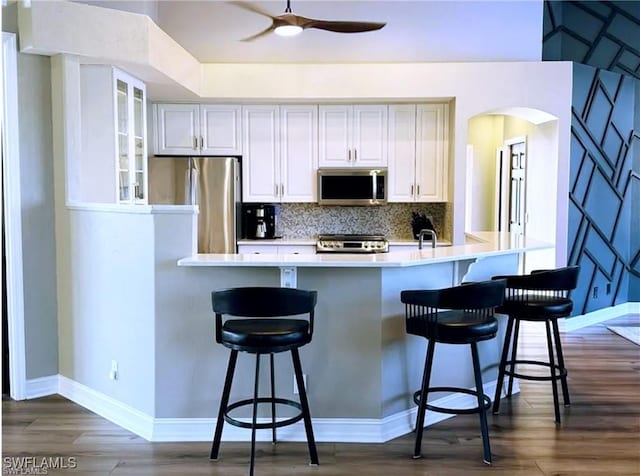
{"type": "Point", "coordinates": [361, 366]}
{"type": "Point", "coordinates": [479, 245]}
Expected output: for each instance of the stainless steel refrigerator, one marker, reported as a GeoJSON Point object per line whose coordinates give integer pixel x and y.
{"type": "Point", "coordinates": [212, 183]}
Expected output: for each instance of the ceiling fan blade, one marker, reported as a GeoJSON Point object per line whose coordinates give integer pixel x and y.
{"type": "Point", "coordinates": [266, 31]}
{"type": "Point", "coordinates": [252, 8]}
{"type": "Point", "coordinates": [342, 26]}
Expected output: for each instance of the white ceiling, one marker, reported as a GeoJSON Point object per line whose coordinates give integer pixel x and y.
{"type": "Point", "coordinates": [416, 31]}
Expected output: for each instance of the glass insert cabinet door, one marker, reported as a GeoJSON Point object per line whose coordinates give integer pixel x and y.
{"type": "Point", "coordinates": [131, 163]}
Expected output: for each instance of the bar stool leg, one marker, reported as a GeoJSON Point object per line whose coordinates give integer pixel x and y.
{"type": "Point", "coordinates": [311, 442]}
{"type": "Point", "coordinates": [502, 366]}
{"type": "Point", "coordinates": [565, 386]}
{"type": "Point", "coordinates": [424, 395]}
{"type": "Point", "coordinates": [273, 402]}
{"type": "Point", "coordinates": [484, 427]}
{"type": "Point", "coordinates": [224, 401]}
{"type": "Point", "coordinates": [514, 356]}
{"type": "Point", "coordinates": [552, 366]}
{"type": "Point", "coordinates": [255, 416]}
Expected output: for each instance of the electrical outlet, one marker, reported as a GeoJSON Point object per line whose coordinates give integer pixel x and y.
{"type": "Point", "coordinates": [594, 295]}
{"type": "Point", "coordinates": [295, 383]}
{"type": "Point", "coordinates": [113, 373]}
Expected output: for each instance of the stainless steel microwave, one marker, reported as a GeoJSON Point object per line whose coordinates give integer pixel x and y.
{"type": "Point", "coordinates": [352, 186]}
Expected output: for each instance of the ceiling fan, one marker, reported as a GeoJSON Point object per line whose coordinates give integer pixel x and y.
{"type": "Point", "coordinates": [290, 24]}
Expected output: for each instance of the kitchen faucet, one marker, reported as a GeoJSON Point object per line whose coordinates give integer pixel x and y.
{"type": "Point", "coordinates": [427, 231]}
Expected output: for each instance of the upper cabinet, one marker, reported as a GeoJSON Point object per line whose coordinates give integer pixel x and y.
{"type": "Point", "coordinates": [114, 169]}
{"type": "Point", "coordinates": [280, 153]}
{"type": "Point", "coordinates": [197, 129]}
{"type": "Point", "coordinates": [282, 146]}
{"type": "Point", "coordinates": [418, 152]}
{"type": "Point", "coordinates": [353, 136]}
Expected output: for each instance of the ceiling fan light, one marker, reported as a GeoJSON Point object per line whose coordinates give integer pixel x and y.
{"type": "Point", "coordinates": [288, 30]}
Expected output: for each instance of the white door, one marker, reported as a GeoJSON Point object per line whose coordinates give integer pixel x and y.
{"type": "Point", "coordinates": [517, 194]}
{"type": "Point", "coordinates": [369, 137]}
{"type": "Point", "coordinates": [299, 153]}
{"type": "Point", "coordinates": [220, 130]}
{"type": "Point", "coordinates": [177, 129]}
{"type": "Point", "coordinates": [402, 153]}
{"type": "Point", "coordinates": [335, 136]}
{"type": "Point", "coordinates": [261, 156]}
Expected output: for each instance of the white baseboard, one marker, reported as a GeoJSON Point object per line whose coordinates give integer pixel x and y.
{"type": "Point", "coordinates": [107, 407]}
{"type": "Point", "coordinates": [342, 430]}
{"type": "Point", "coordinates": [41, 387]}
{"type": "Point", "coordinates": [596, 317]}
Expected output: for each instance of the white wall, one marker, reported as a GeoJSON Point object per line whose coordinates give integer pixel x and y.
{"type": "Point", "coordinates": [485, 136]}
{"type": "Point", "coordinates": [111, 307]}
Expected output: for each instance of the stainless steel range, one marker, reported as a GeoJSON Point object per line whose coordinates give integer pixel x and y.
{"type": "Point", "coordinates": [352, 244]}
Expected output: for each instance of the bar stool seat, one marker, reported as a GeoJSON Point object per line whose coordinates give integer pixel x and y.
{"type": "Point", "coordinates": [458, 315]}
{"type": "Point", "coordinates": [252, 335]}
{"type": "Point", "coordinates": [536, 307]}
{"type": "Point", "coordinates": [541, 296]}
{"type": "Point", "coordinates": [263, 328]}
{"type": "Point", "coordinates": [456, 327]}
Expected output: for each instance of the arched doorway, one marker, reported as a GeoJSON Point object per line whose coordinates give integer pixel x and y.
{"type": "Point", "coordinates": [512, 164]}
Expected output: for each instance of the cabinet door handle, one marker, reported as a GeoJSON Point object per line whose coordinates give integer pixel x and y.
{"type": "Point", "coordinates": [276, 187]}
{"type": "Point", "coordinates": [195, 143]}
{"type": "Point", "coordinates": [418, 189]}
{"type": "Point", "coordinates": [201, 143]}
{"type": "Point", "coordinates": [412, 190]}
{"type": "Point", "coordinates": [349, 155]}
{"type": "Point", "coordinates": [281, 189]}
{"type": "Point", "coordinates": [355, 154]}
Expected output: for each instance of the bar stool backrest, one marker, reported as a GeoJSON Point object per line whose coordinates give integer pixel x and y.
{"type": "Point", "coordinates": [475, 300]}
{"type": "Point", "coordinates": [481, 295]}
{"type": "Point", "coordinates": [554, 282]}
{"type": "Point", "coordinates": [263, 302]}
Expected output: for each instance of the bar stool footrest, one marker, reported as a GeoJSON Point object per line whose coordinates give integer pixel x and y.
{"type": "Point", "coordinates": [266, 425]}
{"type": "Point", "coordinates": [454, 411]}
{"type": "Point", "coordinates": [562, 372]}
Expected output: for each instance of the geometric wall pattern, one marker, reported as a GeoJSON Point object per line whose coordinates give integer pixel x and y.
{"type": "Point", "coordinates": [602, 176]}
{"type": "Point", "coordinates": [604, 200]}
{"type": "Point", "coordinates": [601, 34]}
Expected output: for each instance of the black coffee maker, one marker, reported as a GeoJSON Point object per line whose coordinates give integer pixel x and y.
{"type": "Point", "coordinates": [260, 221]}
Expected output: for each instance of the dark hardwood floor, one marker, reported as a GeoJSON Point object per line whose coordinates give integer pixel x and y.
{"type": "Point", "coordinates": [599, 435]}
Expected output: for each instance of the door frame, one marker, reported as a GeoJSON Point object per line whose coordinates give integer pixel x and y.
{"type": "Point", "coordinates": [503, 189]}
{"type": "Point", "coordinates": [12, 210]}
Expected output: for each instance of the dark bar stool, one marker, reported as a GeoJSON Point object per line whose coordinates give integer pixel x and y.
{"type": "Point", "coordinates": [263, 330]}
{"type": "Point", "coordinates": [541, 296]}
{"type": "Point", "coordinates": [458, 315]}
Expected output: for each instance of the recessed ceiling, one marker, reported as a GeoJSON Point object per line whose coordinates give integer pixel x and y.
{"type": "Point", "coordinates": [416, 31]}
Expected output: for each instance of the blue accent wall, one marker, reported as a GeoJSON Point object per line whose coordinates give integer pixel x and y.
{"type": "Point", "coordinates": [603, 39]}
{"type": "Point", "coordinates": [603, 145]}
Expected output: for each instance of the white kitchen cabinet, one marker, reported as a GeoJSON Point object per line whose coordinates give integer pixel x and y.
{"type": "Point", "coordinates": [353, 135]}
{"type": "Point", "coordinates": [197, 129]}
{"type": "Point", "coordinates": [257, 249]}
{"type": "Point", "coordinates": [114, 146]}
{"type": "Point", "coordinates": [418, 173]}
{"type": "Point", "coordinates": [401, 175]}
{"type": "Point", "coordinates": [277, 249]}
{"type": "Point", "coordinates": [280, 153]}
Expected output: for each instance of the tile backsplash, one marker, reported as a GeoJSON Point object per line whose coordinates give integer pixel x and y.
{"type": "Point", "coordinates": [306, 220]}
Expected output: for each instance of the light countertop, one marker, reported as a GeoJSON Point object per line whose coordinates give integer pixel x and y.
{"type": "Point", "coordinates": [480, 244]}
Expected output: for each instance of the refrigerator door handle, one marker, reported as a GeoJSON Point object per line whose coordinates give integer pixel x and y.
{"type": "Point", "coordinates": [191, 185]}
